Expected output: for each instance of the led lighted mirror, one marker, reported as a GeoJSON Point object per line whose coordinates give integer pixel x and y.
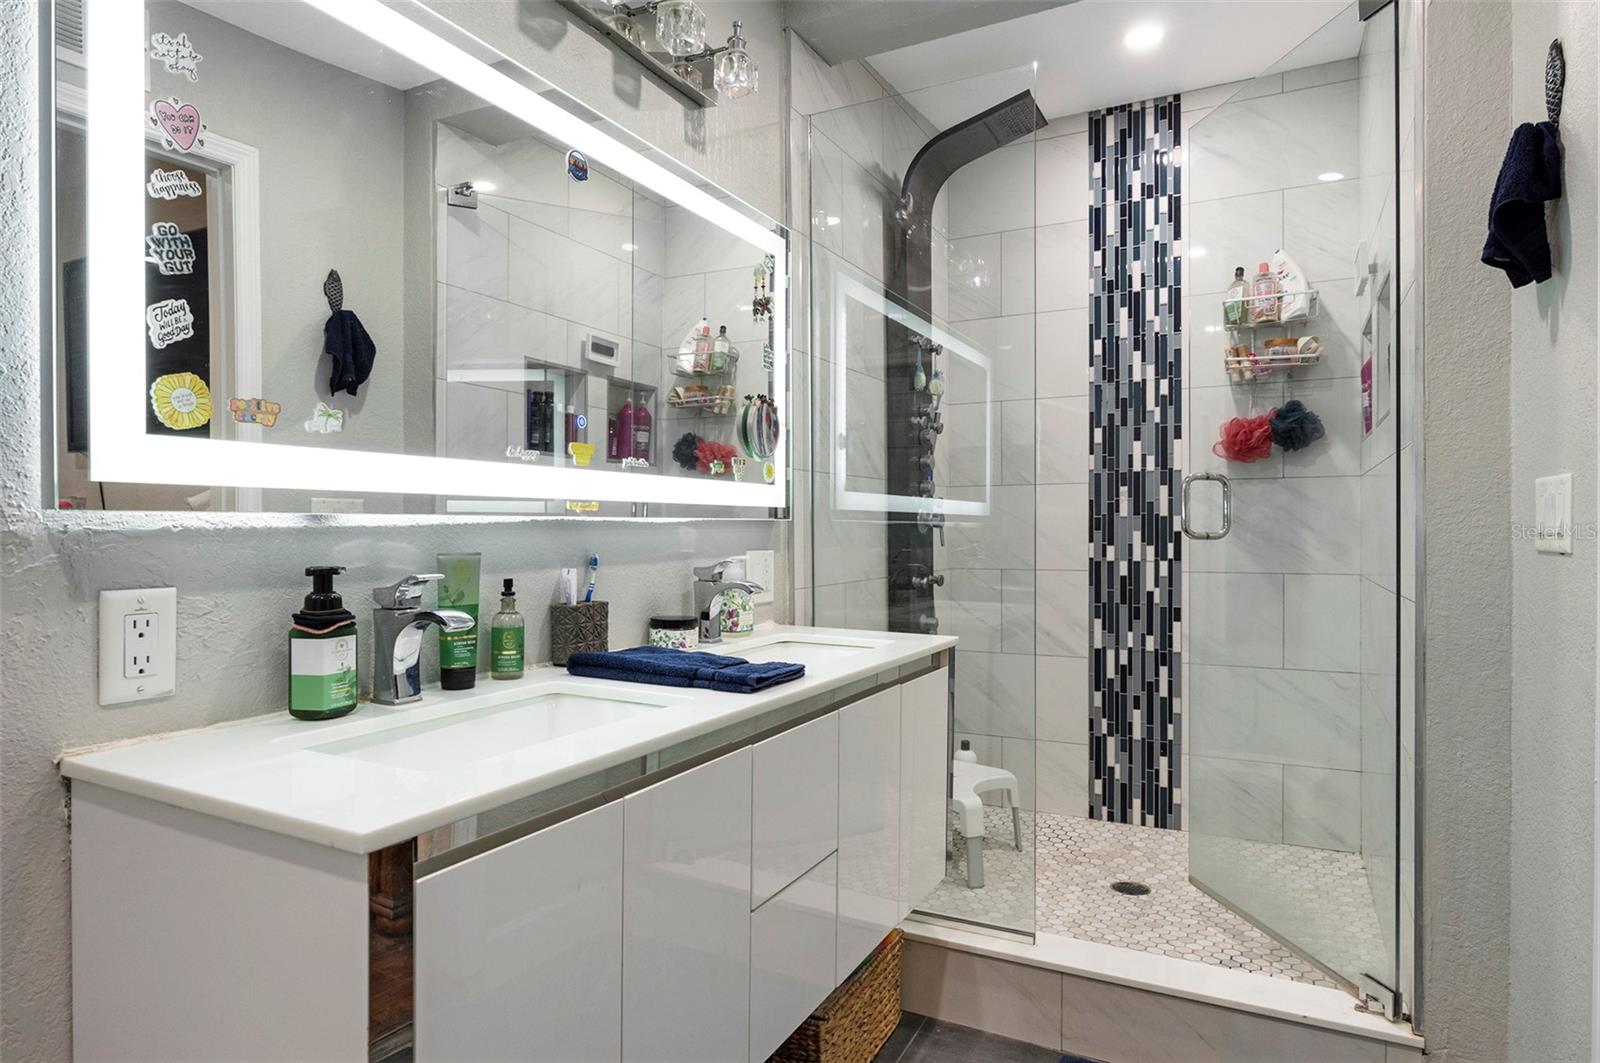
{"type": "Point", "coordinates": [347, 257]}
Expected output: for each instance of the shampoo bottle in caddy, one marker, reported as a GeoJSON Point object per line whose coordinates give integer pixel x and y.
{"type": "Point", "coordinates": [458, 650]}
{"type": "Point", "coordinates": [506, 637]}
{"type": "Point", "coordinates": [323, 680]}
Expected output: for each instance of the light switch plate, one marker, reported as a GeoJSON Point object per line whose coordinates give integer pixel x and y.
{"type": "Point", "coordinates": [1552, 514]}
{"type": "Point", "coordinates": [138, 644]}
{"type": "Point", "coordinates": [761, 566]}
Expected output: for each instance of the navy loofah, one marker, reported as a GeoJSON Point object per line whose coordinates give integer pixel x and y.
{"type": "Point", "coordinates": [1294, 427]}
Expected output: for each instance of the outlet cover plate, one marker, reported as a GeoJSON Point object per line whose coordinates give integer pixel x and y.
{"type": "Point", "coordinates": [761, 566]}
{"type": "Point", "coordinates": [123, 614]}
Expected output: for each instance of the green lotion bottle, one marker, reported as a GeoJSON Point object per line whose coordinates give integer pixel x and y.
{"type": "Point", "coordinates": [323, 681]}
{"type": "Point", "coordinates": [505, 637]}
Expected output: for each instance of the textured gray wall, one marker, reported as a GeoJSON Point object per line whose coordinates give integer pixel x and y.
{"type": "Point", "coordinates": [1552, 359]}
{"type": "Point", "coordinates": [1464, 759]}
{"type": "Point", "coordinates": [238, 578]}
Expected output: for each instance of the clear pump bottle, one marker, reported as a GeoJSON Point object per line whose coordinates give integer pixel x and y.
{"type": "Point", "coordinates": [506, 637]}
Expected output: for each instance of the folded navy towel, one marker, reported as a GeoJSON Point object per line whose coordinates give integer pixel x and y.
{"type": "Point", "coordinates": [681, 668]}
{"type": "Point", "coordinates": [750, 677]}
{"type": "Point", "coordinates": [1529, 177]}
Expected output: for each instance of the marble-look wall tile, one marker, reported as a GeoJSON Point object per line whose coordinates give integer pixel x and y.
{"type": "Point", "coordinates": [1008, 343]}
{"type": "Point", "coordinates": [1275, 716]}
{"type": "Point", "coordinates": [1061, 353]}
{"type": "Point", "coordinates": [1303, 133]}
{"type": "Point", "coordinates": [1063, 527]}
{"type": "Point", "coordinates": [1063, 610]}
{"type": "Point", "coordinates": [477, 422]}
{"type": "Point", "coordinates": [1018, 617]}
{"type": "Point", "coordinates": [1003, 539]}
{"type": "Point", "coordinates": [1017, 442]}
{"type": "Point", "coordinates": [1234, 618]}
{"type": "Point", "coordinates": [1322, 623]}
{"type": "Point", "coordinates": [1063, 456]}
{"type": "Point", "coordinates": [1295, 525]}
{"type": "Point", "coordinates": [855, 547]}
{"type": "Point", "coordinates": [1338, 452]}
{"type": "Point", "coordinates": [1063, 257]}
{"type": "Point", "coordinates": [994, 693]}
{"type": "Point", "coordinates": [1321, 226]}
{"type": "Point", "coordinates": [476, 250]}
{"type": "Point", "coordinates": [970, 608]}
{"type": "Point", "coordinates": [1237, 231]}
{"type": "Point", "coordinates": [1207, 409]}
{"type": "Point", "coordinates": [1062, 164]}
{"type": "Point", "coordinates": [1322, 808]}
{"type": "Point", "coordinates": [1063, 699]}
{"type": "Point", "coordinates": [1009, 999]}
{"type": "Point", "coordinates": [1019, 756]}
{"type": "Point", "coordinates": [1063, 778]}
{"type": "Point", "coordinates": [994, 193]}
{"type": "Point", "coordinates": [1235, 798]}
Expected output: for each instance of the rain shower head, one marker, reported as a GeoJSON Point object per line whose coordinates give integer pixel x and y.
{"type": "Point", "coordinates": [966, 142]}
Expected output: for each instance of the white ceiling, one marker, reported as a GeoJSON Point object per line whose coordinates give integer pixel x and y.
{"type": "Point", "coordinates": [304, 29]}
{"type": "Point", "coordinates": [1083, 63]}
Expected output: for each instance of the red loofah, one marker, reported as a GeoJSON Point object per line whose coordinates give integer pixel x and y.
{"type": "Point", "coordinates": [1245, 438]}
{"type": "Point", "coordinates": [715, 459]}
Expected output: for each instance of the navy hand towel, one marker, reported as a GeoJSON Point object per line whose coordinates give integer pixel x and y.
{"type": "Point", "coordinates": [1529, 177]}
{"type": "Point", "coordinates": [750, 677]}
{"type": "Point", "coordinates": [680, 668]}
{"type": "Point", "coordinates": [345, 338]}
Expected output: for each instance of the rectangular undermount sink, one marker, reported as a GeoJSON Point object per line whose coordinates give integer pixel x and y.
{"type": "Point", "coordinates": [464, 738]}
{"type": "Point", "coordinates": [811, 651]}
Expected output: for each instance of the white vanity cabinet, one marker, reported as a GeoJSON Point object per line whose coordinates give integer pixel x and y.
{"type": "Point", "coordinates": [518, 950]}
{"type": "Point", "coordinates": [686, 916]}
{"type": "Point", "coordinates": [690, 900]}
{"type": "Point", "coordinates": [869, 826]}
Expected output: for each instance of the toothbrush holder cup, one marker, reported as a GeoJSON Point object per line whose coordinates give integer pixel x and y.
{"type": "Point", "coordinates": [580, 628]}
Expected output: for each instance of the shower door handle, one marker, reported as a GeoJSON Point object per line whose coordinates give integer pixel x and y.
{"type": "Point", "coordinates": [1227, 505]}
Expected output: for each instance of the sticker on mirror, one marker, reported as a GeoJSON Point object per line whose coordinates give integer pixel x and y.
{"type": "Point", "coordinates": [170, 184]}
{"type": "Point", "coordinates": [175, 54]}
{"type": "Point", "coordinates": [583, 507]}
{"type": "Point", "coordinates": [577, 165]}
{"type": "Point", "coordinates": [170, 249]}
{"type": "Point", "coordinates": [181, 401]}
{"type": "Point", "coordinates": [255, 411]}
{"type": "Point", "coordinates": [325, 419]}
{"type": "Point", "coordinates": [169, 321]}
{"type": "Point", "coordinates": [179, 123]}
{"type": "Point", "coordinates": [581, 452]}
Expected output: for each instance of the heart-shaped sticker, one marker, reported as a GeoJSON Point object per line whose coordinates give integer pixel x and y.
{"type": "Point", "coordinates": [179, 121]}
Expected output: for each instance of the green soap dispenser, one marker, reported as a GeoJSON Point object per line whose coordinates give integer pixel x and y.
{"type": "Point", "coordinates": [323, 680]}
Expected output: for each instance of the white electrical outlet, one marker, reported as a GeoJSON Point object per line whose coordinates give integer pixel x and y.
{"type": "Point", "coordinates": [138, 644]}
{"type": "Point", "coordinates": [1552, 514]}
{"type": "Point", "coordinates": [761, 566]}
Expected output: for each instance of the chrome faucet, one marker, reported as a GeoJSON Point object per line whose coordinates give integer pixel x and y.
{"type": "Point", "coordinates": [708, 589]}
{"type": "Point", "coordinates": [398, 625]}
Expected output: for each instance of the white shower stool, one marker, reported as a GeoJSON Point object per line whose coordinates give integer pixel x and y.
{"type": "Point", "coordinates": [968, 785]}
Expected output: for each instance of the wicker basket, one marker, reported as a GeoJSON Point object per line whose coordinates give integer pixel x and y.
{"type": "Point", "coordinates": [857, 1018]}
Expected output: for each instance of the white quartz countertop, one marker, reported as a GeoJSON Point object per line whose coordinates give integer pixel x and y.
{"type": "Point", "coordinates": [383, 774]}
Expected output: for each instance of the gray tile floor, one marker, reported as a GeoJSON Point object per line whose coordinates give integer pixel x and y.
{"type": "Point", "coordinates": [922, 1040]}
{"type": "Point", "coordinates": [1078, 859]}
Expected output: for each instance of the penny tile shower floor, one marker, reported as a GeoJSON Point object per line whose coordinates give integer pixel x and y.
{"type": "Point", "coordinates": [1080, 858]}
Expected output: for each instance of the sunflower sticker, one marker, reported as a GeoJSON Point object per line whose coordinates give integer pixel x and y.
{"type": "Point", "coordinates": [181, 401]}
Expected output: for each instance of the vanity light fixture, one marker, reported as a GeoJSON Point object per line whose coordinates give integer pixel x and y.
{"type": "Point", "coordinates": [125, 451]}
{"type": "Point", "coordinates": [1144, 37]}
{"type": "Point", "coordinates": [680, 26]}
{"type": "Point", "coordinates": [737, 73]}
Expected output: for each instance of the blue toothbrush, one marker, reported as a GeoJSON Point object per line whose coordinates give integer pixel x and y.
{"type": "Point", "coordinates": [594, 572]}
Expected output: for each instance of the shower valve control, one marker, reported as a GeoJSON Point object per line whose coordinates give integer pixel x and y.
{"type": "Point", "coordinates": [923, 583]}
{"type": "Point", "coordinates": [928, 623]}
{"type": "Point", "coordinates": [926, 461]}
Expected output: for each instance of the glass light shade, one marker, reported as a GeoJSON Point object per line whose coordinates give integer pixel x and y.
{"type": "Point", "coordinates": [680, 26]}
{"type": "Point", "coordinates": [736, 73]}
{"type": "Point", "coordinates": [689, 73]}
{"type": "Point", "coordinates": [624, 26]}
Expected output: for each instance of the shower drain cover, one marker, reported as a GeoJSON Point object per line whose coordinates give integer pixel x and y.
{"type": "Point", "coordinates": [1132, 889]}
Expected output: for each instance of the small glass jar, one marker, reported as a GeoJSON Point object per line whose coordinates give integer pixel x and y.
{"type": "Point", "coordinates": [674, 632]}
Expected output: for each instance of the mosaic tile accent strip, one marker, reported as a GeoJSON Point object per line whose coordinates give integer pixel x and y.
{"type": "Point", "coordinates": [1079, 858]}
{"type": "Point", "coordinates": [1135, 429]}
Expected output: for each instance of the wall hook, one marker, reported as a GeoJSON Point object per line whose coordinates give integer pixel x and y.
{"type": "Point", "coordinates": [333, 289]}
{"type": "Point", "coordinates": [1555, 80]}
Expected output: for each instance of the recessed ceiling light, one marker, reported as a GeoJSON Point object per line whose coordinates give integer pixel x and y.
{"type": "Point", "coordinates": [1144, 36]}
{"type": "Point", "coordinates": [484, 186]}
{"type": "Point", "coordinates": [1331, 175]}
{"type": "Point", "coordinates": [1197, 252]}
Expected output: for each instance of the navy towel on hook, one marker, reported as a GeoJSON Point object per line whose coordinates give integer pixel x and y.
{"type": "Point", "coordinates": [1529, 177]}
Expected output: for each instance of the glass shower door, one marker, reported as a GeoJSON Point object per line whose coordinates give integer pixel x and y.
{"type": "Point", "coordinates": [1292, 633]}
{"type": "Point", "coordinates": [921, 277]}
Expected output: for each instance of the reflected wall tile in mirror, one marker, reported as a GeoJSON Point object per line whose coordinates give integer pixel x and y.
{"type": "Point", "coordinates": [729, 293]}
{"type": "Point", "coordinates": [476, 250]}
{"type": "Point", "coordinates": [476, 329]}
{"type": "Point", "coordinates": [683, 302]}
{"type": "Point", "coordinates": [477, 422]}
